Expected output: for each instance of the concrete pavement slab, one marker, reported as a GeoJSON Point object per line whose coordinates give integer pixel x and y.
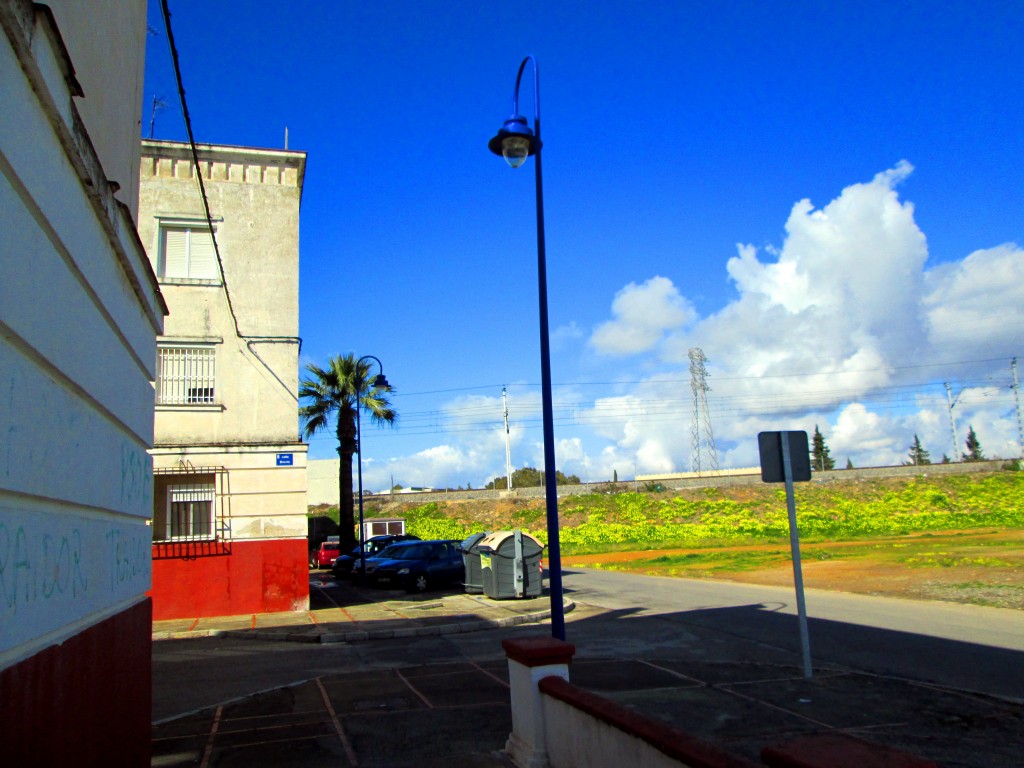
{"type": "Point", "coordinates": [453, 709]}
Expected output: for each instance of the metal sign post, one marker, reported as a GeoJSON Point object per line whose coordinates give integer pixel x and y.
{"type": "Point", "coordinates": [788, 452]}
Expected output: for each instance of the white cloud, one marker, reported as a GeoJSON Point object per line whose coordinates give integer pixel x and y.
{"type": "Point", "coordinates": [840, 295]}
{"type": "Point", "coordinates": [864, 437]}
{"type": "Point", "coordinates": [642, 315]}
{"type": "Point", "coordinates": [842, 325]}
{"type": "Point", "coordinates": [836, 317]}
{"type": "Point", "coordinates": [976, 307]}
{"type": "Point", "coordinates": [565, 335]}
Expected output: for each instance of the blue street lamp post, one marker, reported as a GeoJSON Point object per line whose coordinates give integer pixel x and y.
{"type": "Point", "coordinates": [515, 142]}
{"type": "Point", "coordinates": [379, 382]}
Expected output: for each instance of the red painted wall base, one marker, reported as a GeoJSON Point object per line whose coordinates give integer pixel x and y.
{"type": "Point", "coordinates": [85, 702]}
{"type": "Point", "coordinates": [193, 580]}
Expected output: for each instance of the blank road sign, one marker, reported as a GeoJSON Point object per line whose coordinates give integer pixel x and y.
{"type": "Point", "coordinates": [769, 444]}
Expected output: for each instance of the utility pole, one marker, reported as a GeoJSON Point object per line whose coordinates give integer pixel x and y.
{"type": "Point", "coordinates": [952, 420]}
{"type": "Point", "coordinates": [508, 446]}
{"type": "Point", "coordinates": [1016, 397]}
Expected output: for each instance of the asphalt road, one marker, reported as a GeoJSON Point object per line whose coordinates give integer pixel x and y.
{"type": "Point", "coordinates": [634, 617]}
{"type": "Point", "coordinates": [961, 646]}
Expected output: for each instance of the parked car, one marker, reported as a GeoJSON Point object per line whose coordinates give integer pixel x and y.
{"type": "Point", "coordinates": [417, 566]}
{"type": "Point", "coordinates": [325, 554]}
{"type": "Point", "coordinates": [346, 565]}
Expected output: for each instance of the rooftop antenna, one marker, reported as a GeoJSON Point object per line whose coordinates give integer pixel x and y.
{"type": "Point", "coordinates": [158, 103]}
{"type": "Point", "coordinates": [286, 137]}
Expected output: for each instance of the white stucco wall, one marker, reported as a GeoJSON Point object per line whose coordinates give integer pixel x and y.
{"type": "Point", "coordinates": [254, 196]}
{"type": "Point", "coordinates": [106, 40]}
{"type": "Point", "coordinates": [322, 481]}
{"type": "Point", "coordinates": [79, 312]}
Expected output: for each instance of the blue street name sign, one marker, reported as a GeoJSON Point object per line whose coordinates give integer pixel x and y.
{"type": "Point", "coordinates": [285, 459]}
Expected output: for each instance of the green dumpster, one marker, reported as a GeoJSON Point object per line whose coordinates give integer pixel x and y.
{"type": "Point", "coordinates": [510, 565]}
{"type": "Point", "coordinates": [471, 561]}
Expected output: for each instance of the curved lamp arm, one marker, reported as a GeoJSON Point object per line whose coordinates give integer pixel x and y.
{"type": "Point", "coordinates": [514, 140]}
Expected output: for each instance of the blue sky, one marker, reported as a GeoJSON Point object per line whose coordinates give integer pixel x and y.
{"type": "Point", "coordinates": [825, 198]}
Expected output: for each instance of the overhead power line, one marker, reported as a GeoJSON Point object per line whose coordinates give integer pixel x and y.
{"type": "Point", "coordinates": [249, 340]}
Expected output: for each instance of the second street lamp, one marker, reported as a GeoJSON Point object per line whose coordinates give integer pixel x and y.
{"type": "Point", "coordinates": [515, 142]}
{"type": "Point", "coordinates": [379, 382]}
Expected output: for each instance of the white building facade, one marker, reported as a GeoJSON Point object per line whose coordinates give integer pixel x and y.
{"type": "Point", "coordinates": [229, 493]}
{"type": "Point", "coordinates": [80, 309]}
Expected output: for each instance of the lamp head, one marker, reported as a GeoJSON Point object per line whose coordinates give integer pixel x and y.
{"type": "Point", "coordinates": [380, 382]}
{"type": "Point", "coordinates": [514, 141]}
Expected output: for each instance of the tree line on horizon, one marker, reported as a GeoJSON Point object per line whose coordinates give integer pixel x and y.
{"type": "Point", "coordinates": [530, 477]}
{"type": "Point", "coordinates": [821, 459]}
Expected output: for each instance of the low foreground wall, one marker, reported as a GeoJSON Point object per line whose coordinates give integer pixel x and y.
{"type": "Point", "coordinates": [558, 725]}
{"type": "Point", "coordinates": [555, 724]}
{"type": "Point", "coordinates": [594, 732]}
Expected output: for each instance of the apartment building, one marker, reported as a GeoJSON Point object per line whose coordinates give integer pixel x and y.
{"type": "Point", "coordinates": [229, 486]}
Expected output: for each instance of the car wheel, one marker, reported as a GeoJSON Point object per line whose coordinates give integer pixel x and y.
{"type": "Point", "coordinates": [418, 583]}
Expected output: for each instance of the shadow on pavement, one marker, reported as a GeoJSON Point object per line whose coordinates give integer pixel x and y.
{"type": "Point", "coordinates": [726, 675]}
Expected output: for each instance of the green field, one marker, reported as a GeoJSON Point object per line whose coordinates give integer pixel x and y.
{"type": "Point", "coordinates": [713, 517]}
{"type": "Point", "coordinates": [956, 537]}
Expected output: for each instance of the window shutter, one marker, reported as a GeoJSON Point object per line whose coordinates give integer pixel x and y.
{"type": "Point", "coordinates": [175, 254]}
{"type": "Point", "coordinates": [203, 258]}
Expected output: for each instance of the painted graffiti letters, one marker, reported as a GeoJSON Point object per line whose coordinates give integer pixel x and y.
{"type": "Point", "coordinates": [136, 477]}
{"type": "Point", "coordinates": [62, 565]}
{"type": "Point", "coordinates": [54, 566]}
{"type": "Point", "coordinates": [16, 582]}
{"type": "Point", "coordinates": [41, 567]}
{"type": "Point", "coordinates": [128, 557]}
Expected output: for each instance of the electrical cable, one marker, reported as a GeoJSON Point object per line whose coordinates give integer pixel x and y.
{"type": "Point", "coordinates": [249, 340]}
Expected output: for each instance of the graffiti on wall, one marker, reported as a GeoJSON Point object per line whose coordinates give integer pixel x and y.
{"type": "Point", "coordinates": [56, 568]}
{"type": "Point", "coordinates": [136, 478]}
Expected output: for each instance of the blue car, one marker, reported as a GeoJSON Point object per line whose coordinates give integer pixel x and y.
{"type": "Point", "coordinates": [347, 566]}
{"type": "Point", "coordinates": [417, 566]}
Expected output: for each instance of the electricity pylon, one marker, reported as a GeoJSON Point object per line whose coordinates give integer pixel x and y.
{"type": "Point", "coordinates": [704, 455]}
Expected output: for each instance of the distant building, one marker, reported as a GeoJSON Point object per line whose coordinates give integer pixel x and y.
{"type": "Point", "coordinates": [322, 481]}
{"type": "Point", "coordinates": [739, 471]}
{"type": "Point", "coordinates": [229, 491]}
{"type": "Point", "coordinates": [80, 310]}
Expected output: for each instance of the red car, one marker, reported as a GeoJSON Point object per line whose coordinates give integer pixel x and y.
{"type": "Point", "coordinates": [325, 555]}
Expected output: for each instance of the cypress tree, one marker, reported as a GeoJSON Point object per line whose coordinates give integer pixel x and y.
{"type": "Point", "coordinates": [918, 455]}
{"type": "Point", "coordinates": [820, 458]}
{"type": "Point", "coordinates": [974, 452]}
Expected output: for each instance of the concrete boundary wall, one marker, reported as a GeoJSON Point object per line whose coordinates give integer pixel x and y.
{"type": "Point", "coordinates": [556, 724]}
{"type": "Point", "coordinates": [585, 730]}
{"type": "Point", "coordinates": [323, 482]}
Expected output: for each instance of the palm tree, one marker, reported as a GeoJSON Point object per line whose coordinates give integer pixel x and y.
{"type": "Point", "coordinates": [333, 392]}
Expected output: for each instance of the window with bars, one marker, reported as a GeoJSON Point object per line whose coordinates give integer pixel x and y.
{"type": "Point", "coordinates": [187, 252]}
{"type": "Point", "coordinates": [186, 375]}
{"type": "Point", "coordinates": [190, 513]}
{"type": "Point", "coordinates": [190, 504]}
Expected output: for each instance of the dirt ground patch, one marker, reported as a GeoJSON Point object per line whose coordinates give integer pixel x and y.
{"type": "Point", "coordinates": [979, 567]}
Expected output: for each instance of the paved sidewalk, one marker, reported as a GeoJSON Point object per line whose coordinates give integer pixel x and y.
{"type": "Point", "coordinates": [458, 714]}
{"type": "Point", "coordinates": [367, 614]}
{"type": "Point", "coordinates": [454, 710]}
